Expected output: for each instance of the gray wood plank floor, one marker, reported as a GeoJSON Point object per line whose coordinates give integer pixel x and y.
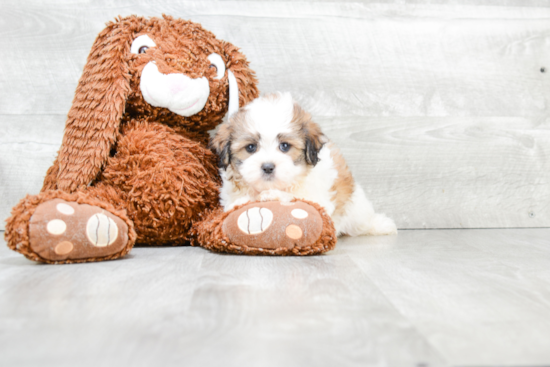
{"type": "Point", "coordinates": [422, 298]}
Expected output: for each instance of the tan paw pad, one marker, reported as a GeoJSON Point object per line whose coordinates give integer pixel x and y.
{"type": "Point", "coordinates": [294, 232]}
{"type": "Point", "coordinates": [63, 248]}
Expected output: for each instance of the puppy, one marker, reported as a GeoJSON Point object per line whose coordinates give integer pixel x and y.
{"type": "Point", "coordinates": [272, 150]}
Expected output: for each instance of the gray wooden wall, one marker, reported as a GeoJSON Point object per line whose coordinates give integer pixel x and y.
{"type": "Point", "coordinates": [440, 107]}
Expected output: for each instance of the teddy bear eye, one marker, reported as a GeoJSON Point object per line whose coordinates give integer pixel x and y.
{"type": "Point", "coordinates": [141, 44]}
{"type": "Point", "coordinates": [217, 62]}
{"type": "Point", "coordinates": [284, 147]}
{"type": "Point", "coordinates": [251, 148]}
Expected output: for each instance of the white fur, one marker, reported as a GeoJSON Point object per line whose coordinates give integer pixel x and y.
{"type": "Point", "coordinates": [233, 93]}
{"type": "Point", "coordinates": [177, 92]}
{"type": "Point", "coordinates": [269, 118]}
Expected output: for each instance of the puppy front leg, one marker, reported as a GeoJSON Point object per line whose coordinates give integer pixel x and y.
{"type": "Point", "coordinates": [276, 195]}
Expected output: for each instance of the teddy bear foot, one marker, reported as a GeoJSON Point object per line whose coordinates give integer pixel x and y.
{"type": "Point", "coordinates": [61, 231]}
{"type": "Point", "coordinates": [269, 228]}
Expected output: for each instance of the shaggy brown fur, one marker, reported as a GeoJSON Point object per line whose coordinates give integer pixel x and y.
{"type": "Point", "coordinates": [145, 164]}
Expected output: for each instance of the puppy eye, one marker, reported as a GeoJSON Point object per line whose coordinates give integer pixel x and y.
{"type": "Point", "coordinates": [251, 148]}
{"type": "Point", "coordinates": [141, 44]}
{"type": "Point", "coordinates": [285, 147]}
{"type": "Point", "coordinates": [217, 62]}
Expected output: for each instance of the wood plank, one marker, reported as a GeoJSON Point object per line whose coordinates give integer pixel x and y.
{"type": "Point", "coordinates": [186, 306]}
{"type": "Point", "coordinates": [423, 297]}
{"type": "Point", "coordinates": [338, 58]}
{"type": "Point", "coordinates": [28, 147]}
{"type": "Point", "coordinates": [450, 172]}
{"type": "Point", "coordinates": [479, 296]}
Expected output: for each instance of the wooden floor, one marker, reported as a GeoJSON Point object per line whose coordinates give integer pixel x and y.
{"type": "Point", "coordinates": [423, 298]}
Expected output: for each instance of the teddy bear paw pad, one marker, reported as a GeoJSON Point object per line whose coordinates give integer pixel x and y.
{"type": "Point", "coordinates": [273, 225]}
{"type": "Point", "coordinates": [255, 220]}
{"type": "Point", "coordinates": [61, 230]}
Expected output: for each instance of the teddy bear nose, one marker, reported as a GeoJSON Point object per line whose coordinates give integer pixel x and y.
{"type": "Point", "coordinates": [177, 83]}
{"type": "Point", "coordinates": [268, 167]}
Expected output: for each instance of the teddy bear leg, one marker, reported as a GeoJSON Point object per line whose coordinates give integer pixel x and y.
{"type": "Point", "coordinates": [268, 228]}
{"type": "Point", "coordinates": [57, 227]}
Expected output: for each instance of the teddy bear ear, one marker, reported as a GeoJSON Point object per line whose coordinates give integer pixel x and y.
{"type": "Point", "coordinates": [242, 80]}
{"type": "Point", "coordinates": [94, 118]}
{"type": "Point", "coordinates": [233, 105]}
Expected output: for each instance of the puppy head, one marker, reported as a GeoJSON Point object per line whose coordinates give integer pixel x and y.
{"type": "Point", "coordinates": [269, 144]}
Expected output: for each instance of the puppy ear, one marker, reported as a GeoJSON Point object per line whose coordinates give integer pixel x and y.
{"type": "Point", "coordinates": [314, 138]}
{"type": "Point", "coordinates": [94, 118]}
{"type": "Point", "coordinates": [314, 143]}
{"type": "Point", "coordinates": [242, 80]}
{"type": "Point", "coordinates": [222, 145]}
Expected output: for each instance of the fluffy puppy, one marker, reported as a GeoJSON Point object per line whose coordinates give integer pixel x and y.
{"type": "Point", "coordinates": [272, 150]}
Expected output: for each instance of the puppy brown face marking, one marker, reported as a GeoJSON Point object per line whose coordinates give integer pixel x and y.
{"type": "Point", "coordinates": [296, 145]}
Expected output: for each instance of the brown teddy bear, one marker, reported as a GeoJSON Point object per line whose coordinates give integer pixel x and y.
{"type": "Point", "coordinates": [134, 165]}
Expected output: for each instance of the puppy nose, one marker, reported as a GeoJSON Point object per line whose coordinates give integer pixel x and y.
{"type": "Point", "coordinates": [268, 167]}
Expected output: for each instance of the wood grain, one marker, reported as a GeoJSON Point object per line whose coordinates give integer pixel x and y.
{"type": "Point", "coordinates": [422, 298]}
{"type": "Point", "coordinates": [28, 147]}
{"type": "Point", "coordinates": [186, 306]}
{"type": "Point", "coordinates": [479, 296]}
{"type": "Point", "coordinates": [450, 172]}
{"type": "Point", "coordinates": [338, 58]}
{"type": "Point", "coordinates": [447, 102]}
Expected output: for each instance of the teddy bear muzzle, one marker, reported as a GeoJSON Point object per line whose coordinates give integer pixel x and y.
{"type": "Point", "coordinates": [177, 92]}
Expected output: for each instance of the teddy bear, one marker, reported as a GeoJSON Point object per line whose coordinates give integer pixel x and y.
{"type": "Point", "coordinates": [134, 165]}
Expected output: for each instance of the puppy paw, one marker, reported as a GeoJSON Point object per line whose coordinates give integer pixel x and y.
{"type": "Point", "coordinates": [276, 195]}
{"type": "Point", "coordinates": [240, 201]}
